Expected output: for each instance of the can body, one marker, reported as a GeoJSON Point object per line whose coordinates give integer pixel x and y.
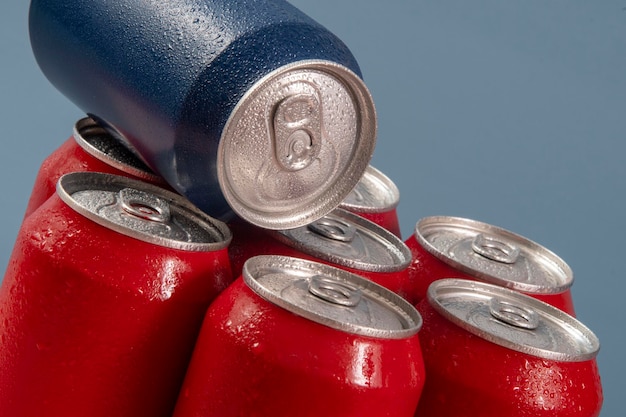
{"type": "Point", "coordinates": [255, 358]}
{"type": "Point", "coordinates": [375, 198]}
{"type": "Point", "coordinates": [178, 81]}
{"type": "Point", "coordinates": [469, 375]}
{"type": "Point", "coordinates": [355, 245]}
{"type": "Point", "coordinates": [78, 154]}
{"type": "Point", "coordinates": [431, 261]}
{"type": "Point", "coordinates": [96, 322]}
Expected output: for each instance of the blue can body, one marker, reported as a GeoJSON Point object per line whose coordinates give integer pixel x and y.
{"type": "Point", "coordinates": [166, 75]}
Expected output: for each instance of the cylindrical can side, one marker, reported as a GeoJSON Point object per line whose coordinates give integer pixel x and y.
{"type": "Point", "coordinates": [254, 357]}
{"type": "Point", "coordinates": [388, 220]}
{"type": "Point", "coordinates": [468, 375]}
{"type": "Point", "coordinates": [96, 322]}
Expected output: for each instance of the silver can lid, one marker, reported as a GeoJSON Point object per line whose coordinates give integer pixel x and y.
{"type": "Point", "coordinates": [494, 255]}
{"type": "Point", "coordinates": [142, 211]}
{"type": "Point", "coordinates": [374, 193]}
{"type": "Point", "coordinates": [331, 296]}
{"type": "Point", "coordinates": [100, 144]}
{"type": "Point", "coordinates": [347, 239]}
{"type": "Point", "coordinates": [513, 320]}
{"type": "Point", "coordinates": [296, 144]}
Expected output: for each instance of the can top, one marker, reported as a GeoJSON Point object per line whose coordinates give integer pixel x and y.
{"type": "Point", "coordinates": [97, 142]}
{"type": "Point", "coordinates": [142, 211]}
{"type": "Point", "coordinates": [296, 144]}
{"type": "Point", "coordinates": [331, 296]}
{"type": "Point", "coordinates": [347, 239]}
{"type": "Point", "coordinates": [374, 193]}
{"type": "Point", "coordinates": [494, 255]}
{"type": "Point", "coordinates": [513, 320]}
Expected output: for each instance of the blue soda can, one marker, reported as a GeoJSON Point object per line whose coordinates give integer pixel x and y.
{"type": "Point", "coordinates": [242, 106]}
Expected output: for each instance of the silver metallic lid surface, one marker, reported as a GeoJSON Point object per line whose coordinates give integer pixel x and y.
{"type": "Point", "coordinates": [513, 320]}
{"type": "Point", "coordinates": [331, 296]}
{"type": "Point", "coordinates": [296, 144]}
{"type": "Point", "coordinates": [347, 239]}
{"type": "Point", "coordinates": [97, 142]}
{"type": "Point", "coordinates": [374, 193]}
{"type": "Point", "coordinates": [494, 255]}
{"type": "Point", "coordinates": [142, 211]}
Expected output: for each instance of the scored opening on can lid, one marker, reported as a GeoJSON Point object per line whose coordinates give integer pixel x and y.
{"type": "Point", "coordinates": [331, 296]}
{"type": "Point", "coordinates": [347, 239]}
{"type": "Point", "coordinates": [513, 320]}
{"type": "Point", "coordinates": [494, 254]}
{"type": "Point", "coordinates": [296, 144]}
{"type": "Point", "coordinates": [142, 211]}
{"type": "Point", "coordinates": [97, 142]}
{"type": "Point", "coordinates": [374, 193]}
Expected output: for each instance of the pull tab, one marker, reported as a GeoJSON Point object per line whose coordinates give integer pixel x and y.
{"type": "Point", "coordinates": [494, 249]}
{"type": "Point", "coordinates": [333, 229]}
{"type": "Point", "coordinates": [297, 130]}
{"type": "Point", "coordinates": [517, 316]}
{"type": "Point", "coordinates": [334, 291]}
{"type": "Point", "coordinates": [144, 205]}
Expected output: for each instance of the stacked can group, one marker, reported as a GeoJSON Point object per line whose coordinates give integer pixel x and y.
{"type": "Point", "coordinates": [213, 241]}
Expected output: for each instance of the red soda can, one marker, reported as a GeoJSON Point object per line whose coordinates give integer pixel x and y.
{"type": "Point", "coordinates": [491, 351]}
{"type": "Point", "coordinates": [375, 198]}
{"type": "Point", "coordinates": [103, 299]}
{"type": "Point", "coordinates": [453, 247]}
{"type": "Point", "coordinates": [298, 338]}
{"type": "Point", "coordinates": [89, 149]}
{"type": "Point", "coordinates": [341, 238]}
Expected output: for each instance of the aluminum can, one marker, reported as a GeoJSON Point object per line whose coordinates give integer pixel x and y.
{"type": "Point", "coordinates": [90, 149]}
{"type": "Point", "coordinates": [103, 298]}
{"type": "Point", "coordinates": [244, 106]}
{"type": "Point", "coordinates": [341, 238]}
{"type": "Point", "coordinates": [298, 338]}
{"type": "Point", "coordinates": [491, 351]}
{"type": "Point", "coordinates": [375, 198]}
{"type": "Point", "coordinates": [453, 247]}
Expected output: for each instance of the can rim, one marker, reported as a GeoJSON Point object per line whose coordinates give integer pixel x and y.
{"type": "Point", "coordinates": [362, 153]}
{"type": "Point", "coordinates": [378, 233]}
{"type": "Point", "coordinates": [383, 183]}
{"type": "Point", "coordinates": [566, 279]}
{"type": "Point", "coordinates": [403, 309]}
{"type": "Point", "coordinates": [88, 124]}
{"type": "Point", "coordinates": [451, 287]}
{"type": "Point", "coordinates": [78, 181]}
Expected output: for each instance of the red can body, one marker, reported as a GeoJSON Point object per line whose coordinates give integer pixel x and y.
{"type": "Point", "coordinates": [426, 268]}
{"type": "Point", "coordinates": [249, 241]}
{"type": "Point", "coordinates": [72, 157]}
{"type": "Point", "coordinates": [254, 358]}
{"type": "Point", "coordinates": [96, 323]}
{"type": "Point", "coordinates": [385, 219]}
{"type": "Point", "coordinates": [470, 376]}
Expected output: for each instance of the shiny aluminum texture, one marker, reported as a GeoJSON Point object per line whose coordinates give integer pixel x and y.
{"type": "Point", "coordinates": [90, 149]}
{"type": "Point", "coordinates": [102, 323]}
{"type": "Point", "coordinates": [375, 198]}
{"type": "Point", "coordinates": [454, 247]}
{"type": "Point", "coordinates": [240, 106]}
{"type": "Point", "coordinates": [492, 351]}
{"type": "Point", "coordinates": [340, 239]}
{"type": "Point", "coordinates": [294, 337]}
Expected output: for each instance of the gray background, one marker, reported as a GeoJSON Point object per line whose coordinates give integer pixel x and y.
{"type": "Point", "coordinates": [508, 112]}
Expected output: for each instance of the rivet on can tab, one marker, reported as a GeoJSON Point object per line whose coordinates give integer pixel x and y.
{"type": "Point", "coordinates": [513, 314]}
{"type": "Point", "coordinates": [334, 229]}
{"type": "Point", "coordinates": [494, 249]}
{"type": "Point", "coordinates": [331, 296]}
{"type": "Point", "coordinates": [144, 206]}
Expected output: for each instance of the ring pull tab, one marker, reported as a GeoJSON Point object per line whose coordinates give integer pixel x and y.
{"type": "Point", "coordinates": [333, 229]}
{"type": "Point", "coordinates": [334, 292]}
{"type": "Point", "coordinates": [514, 315]}
{"type": "Point", "coordinates": [297, 130]}
{"type": "Point", "coordinates": [494, 249]}
{"type": "Point", "coordinates": [144, 206]}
